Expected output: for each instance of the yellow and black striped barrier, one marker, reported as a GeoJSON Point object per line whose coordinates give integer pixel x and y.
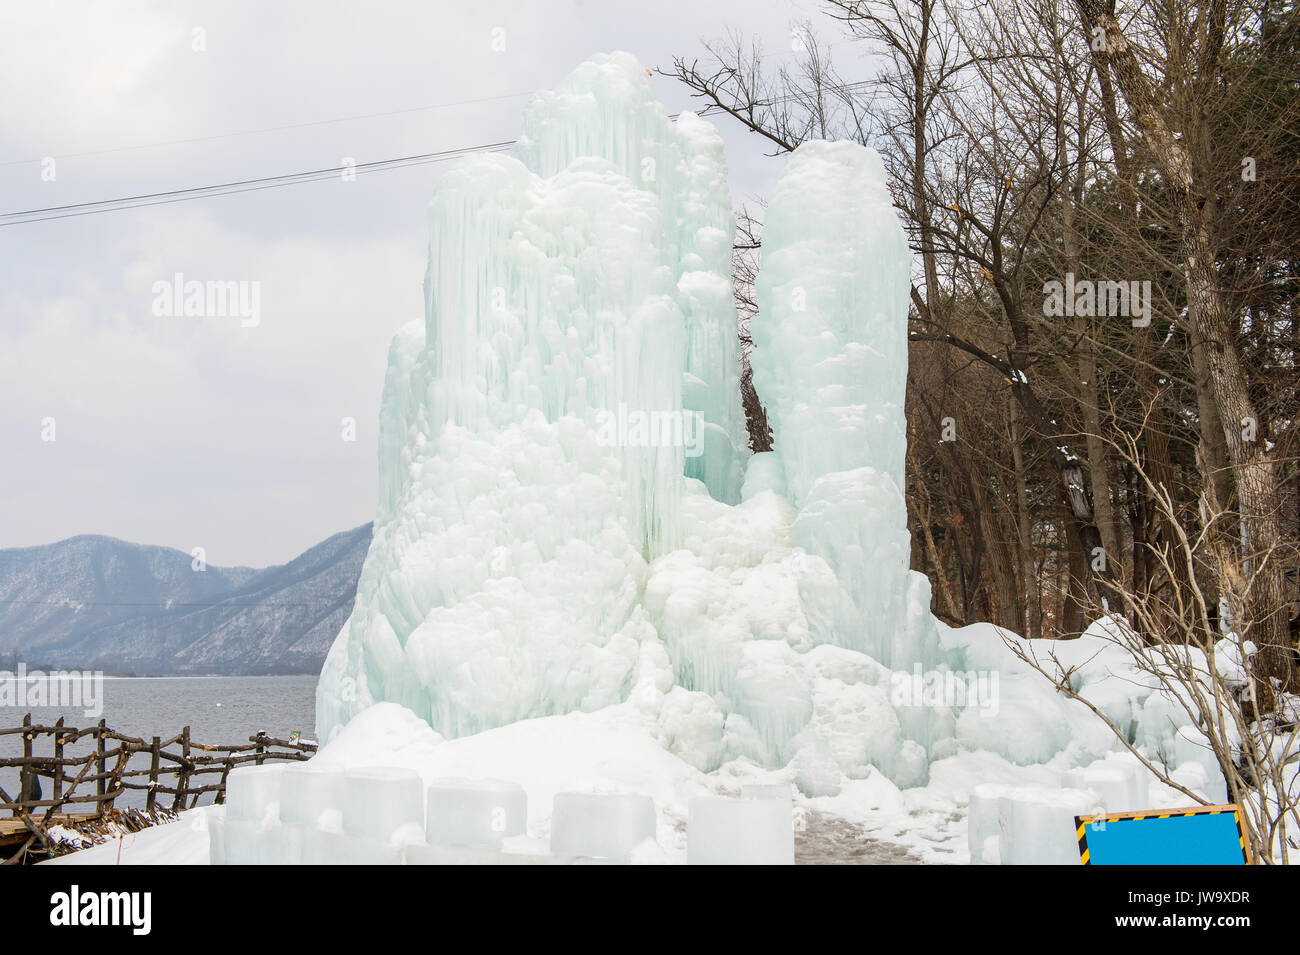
{"type": "Point", "coordinates": [1204, 835]}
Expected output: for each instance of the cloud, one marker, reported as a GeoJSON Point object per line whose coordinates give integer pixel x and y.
{"type": "Point", "coordinates": [231, 415]}
{"type": "Point", "coordinates": [197, 432]}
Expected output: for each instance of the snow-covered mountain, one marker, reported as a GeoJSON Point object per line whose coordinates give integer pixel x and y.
{"type": "Point", "coordinates": [104, 603]}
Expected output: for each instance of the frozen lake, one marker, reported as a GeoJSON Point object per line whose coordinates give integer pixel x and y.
{"type": "Point", "coordinates": [220, 710]}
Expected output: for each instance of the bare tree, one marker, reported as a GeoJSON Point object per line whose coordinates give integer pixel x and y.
{"type": "Point", "coordinates": [1176, 133]}
{"type": "Point", "coordinates": [1174, 644]}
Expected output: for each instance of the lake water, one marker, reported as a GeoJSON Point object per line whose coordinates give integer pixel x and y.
{"type": "Point", "coordinates": [218, 710]}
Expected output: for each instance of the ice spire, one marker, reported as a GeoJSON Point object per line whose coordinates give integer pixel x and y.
{"type": "Point", "coordinates": [830, 362]}
{"type": "Point", "coordinates": [583, 281]}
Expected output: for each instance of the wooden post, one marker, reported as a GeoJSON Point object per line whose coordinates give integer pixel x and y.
{"type": "Point", "coordinates": [123, 759]}
{"type": "Point", "coordinates": [261, 748]}
{"type": "Point", "coordinates": [182, 774]}
{"type": "Point", "coordinates": [153, 774]}
{"type": "Point", "coordinates": [225, 774]}
{"type": "Point", "coordinates": [25, 773]}
{"type": "Point", "coordinates": [100, 781]}
{"type": "Point", "coordinates": [56, 777]}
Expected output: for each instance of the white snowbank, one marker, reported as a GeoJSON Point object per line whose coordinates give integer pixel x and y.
{"type": "Point", "coordinates": [183, 841]}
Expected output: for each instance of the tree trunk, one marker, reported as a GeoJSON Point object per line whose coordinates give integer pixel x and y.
{"type": "Point", "coordinates": [1024, 527]}
{"type": "Point", "coordinates": [1258, 492]}
{"type": "Point", "coordinates": [1243, 428]}
{"type": "Point", "coordinates": [1072, 621]}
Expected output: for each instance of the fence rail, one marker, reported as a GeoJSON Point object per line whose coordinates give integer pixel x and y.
{"type": "Point", "coordinates": [94, 780]}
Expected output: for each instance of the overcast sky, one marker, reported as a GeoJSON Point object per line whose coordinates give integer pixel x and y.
{"type": "Point", "coordinates": [199, 432]}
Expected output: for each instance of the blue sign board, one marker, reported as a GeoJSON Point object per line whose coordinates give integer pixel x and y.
{"type": "Point", "coordinates": [1206, 835]}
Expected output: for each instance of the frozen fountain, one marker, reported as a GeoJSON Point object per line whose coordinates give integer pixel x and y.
{"type": "Point", "coordinates": [569, 518]}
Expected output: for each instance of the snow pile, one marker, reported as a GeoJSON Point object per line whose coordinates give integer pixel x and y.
{"type": "Point", "coordinates": [1061, 756]}
{"type": "Point", "coordinates": [555, 772]}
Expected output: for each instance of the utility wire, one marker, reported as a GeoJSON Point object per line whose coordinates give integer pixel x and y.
{"type": "Point", "coordinates": [244, 185]}
{"type": "Point", "coordinates": [287, 179]}
{"type": "Point", "coordinates": [248, 185]}
{"type": "Point", "coordinates": [331, 170]}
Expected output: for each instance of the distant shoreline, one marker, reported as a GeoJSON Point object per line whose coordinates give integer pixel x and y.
{"type": "Point", "coordinates": [203, 676]}
{"type": "Point", "coordinates": [159, 676]}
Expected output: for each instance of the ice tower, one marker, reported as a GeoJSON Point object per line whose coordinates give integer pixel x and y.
{"type": "Point", "coordinates": [830, 362]}
{"type": "Point", "coordinates": [576, 358]}
{"type": "Point", "coordinates": [562, 523]}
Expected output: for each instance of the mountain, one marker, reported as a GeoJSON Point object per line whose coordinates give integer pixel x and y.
{"type": "Point", "coordinates": [101, 603]}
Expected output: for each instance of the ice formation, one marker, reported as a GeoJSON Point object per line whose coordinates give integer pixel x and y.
{"type": "Point", "coordinates": [830, 361]}
{"type": "Point", "coordinates": [567, 519]}
{"type": "Point", "coordinates": [572, 538]}
{"type": "Point", "coordinates": [578, 345]}
{"type": "Point", "coordinates": [745, 831]}
{"type": "Point", "coordinates": [588, 616]}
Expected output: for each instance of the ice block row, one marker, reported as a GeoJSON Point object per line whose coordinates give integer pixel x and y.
{"type": "Point", "coordinates": [278, 814]}
{"type": "Point", "coordinates": [297, 814]}
{"type": "Point", "coordinates": [1034, 825]}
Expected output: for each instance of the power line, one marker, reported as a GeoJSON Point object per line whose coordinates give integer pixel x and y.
{"type": "Point", "coordinates": [332, 171]}
{"type": "Point", "coordinates": [144, 200]}
{"type": "Point", "coordinates": [246, 185]}
{"type": "Point", "coordinates": [289, 179]}
{"type": "Point", "coordinates": [238, 186]}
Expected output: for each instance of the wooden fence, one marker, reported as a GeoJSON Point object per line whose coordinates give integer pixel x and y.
{"type": "Point", "coordinates": [94, 780]}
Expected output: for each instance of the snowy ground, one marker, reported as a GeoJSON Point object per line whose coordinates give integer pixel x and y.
{"type": "Point", "coordinates": [869, 821]}
{"type": "Point", "coordinates": [182, 842]}
{"type": "Point", "coordinates": [819, 840]}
